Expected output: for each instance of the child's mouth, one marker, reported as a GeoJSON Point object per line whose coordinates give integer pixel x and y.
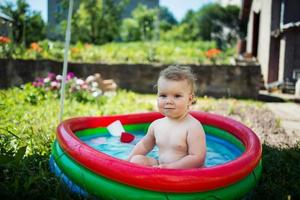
{"type": "Point", "coordinates": [169, 108]}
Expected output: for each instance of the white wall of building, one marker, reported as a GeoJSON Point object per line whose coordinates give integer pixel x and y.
{"type": "Point", "coordinates": [264, 36]}
{"type": "Point", "coordinates": [264, 8]}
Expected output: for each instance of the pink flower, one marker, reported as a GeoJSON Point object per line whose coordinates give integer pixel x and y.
{"type": "Point", "coordinates": [70, 75]}
{"type": "Point", "coordinates": [51, 76]}
{"type": "Point", "coordinates": [55, 85]}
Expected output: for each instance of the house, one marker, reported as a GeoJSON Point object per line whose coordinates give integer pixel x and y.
{"type": "Point", "coordinates": [273, 38]}
{"type": "Point", "coordinates": [56, 13]}
{"type": "Point", "coordinates": [5, 24]}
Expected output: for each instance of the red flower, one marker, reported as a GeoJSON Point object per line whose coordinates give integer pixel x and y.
{"type": "Point", "coordinates": [4, 40]}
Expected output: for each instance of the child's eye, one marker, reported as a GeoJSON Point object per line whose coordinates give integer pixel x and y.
{"type": "Point", "coordinates": [178, 96]}
{"type": "Point", "coordinates": [162, 95]}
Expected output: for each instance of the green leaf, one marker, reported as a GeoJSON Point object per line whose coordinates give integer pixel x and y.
{"type": "Point", "coordinates": [5, 159]}
{"type": "Point", "coordinates": [20, 154]}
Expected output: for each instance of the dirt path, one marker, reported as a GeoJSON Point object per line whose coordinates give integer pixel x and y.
{"type": "Point", "coordinates": [275, 124]}
{"type": "Point", "coordinates": [289, 114]}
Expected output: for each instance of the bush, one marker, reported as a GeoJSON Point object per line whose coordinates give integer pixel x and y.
{"type": "Point", "coordinates": [164, 52]}
{"type": "Point", "coordinates": [5, 47]}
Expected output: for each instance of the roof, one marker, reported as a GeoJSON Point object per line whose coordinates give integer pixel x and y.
{"type": "Point", "coordinates": [5, 17]}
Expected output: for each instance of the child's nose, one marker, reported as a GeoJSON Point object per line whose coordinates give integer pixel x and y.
{"type": "Point", "coordinates": [169, 100]}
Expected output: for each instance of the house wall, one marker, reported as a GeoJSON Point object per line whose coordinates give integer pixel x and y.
{"type": "Point", "coordinates": [264, 37]}
{"type": "Point", "coordinates": [281, 60]}
{"type": "Point", "coordinates": [263, 52]}
{"type": "Point", "coordinates": [291, 11]}
{"type": "Point", "coordinates": [249, 33]}
{"type": "Point", "coordinates": [274, 42]}
{"type": "Point", "coordinates": [290, 55]}
{"type": "Point", "coordinates": [278, 49]}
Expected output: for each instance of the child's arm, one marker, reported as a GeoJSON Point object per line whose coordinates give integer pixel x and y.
{"type": "Point", "coordinates": [145, 145]}
{"type": "Point", "coordinates": [196, 150]}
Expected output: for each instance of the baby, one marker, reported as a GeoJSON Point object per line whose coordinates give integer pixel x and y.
{"type": "Point", "coordinates": [179, 136]}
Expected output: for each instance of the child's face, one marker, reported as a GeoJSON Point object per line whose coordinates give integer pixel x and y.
{"type": "Point", "coordinates": [174, 97]}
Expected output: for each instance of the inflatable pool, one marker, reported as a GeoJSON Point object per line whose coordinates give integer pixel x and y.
{"type": "Point", "coordinates": [88, 170]}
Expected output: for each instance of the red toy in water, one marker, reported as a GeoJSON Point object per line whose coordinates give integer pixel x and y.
{"type": "Point", "coordinates": [126, 137]}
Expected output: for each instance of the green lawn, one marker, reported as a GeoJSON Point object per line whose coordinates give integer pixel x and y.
{"type": "Point", "coordinates": [28, 120]}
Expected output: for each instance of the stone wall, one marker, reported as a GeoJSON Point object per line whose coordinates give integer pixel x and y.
{"type": "Point", "coordinates": [216, 81]}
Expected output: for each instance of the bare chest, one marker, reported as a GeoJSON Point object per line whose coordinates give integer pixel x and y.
{"type": "Point", "coordinates": [171, 139]}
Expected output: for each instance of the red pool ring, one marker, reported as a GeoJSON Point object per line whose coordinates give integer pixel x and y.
{"type": "Point", "coordinates": [156, 179]}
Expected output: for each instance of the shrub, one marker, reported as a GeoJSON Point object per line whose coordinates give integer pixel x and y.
{"type": "Point", "coordinates": [76, 88]}
{"type": "Point", "coordinates": [5, 47]}
{"type": "Point", "coordinates": [27, 131]}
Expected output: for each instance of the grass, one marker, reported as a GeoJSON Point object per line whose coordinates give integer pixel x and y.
{"type": "Point", "coordinates": [27, 130]}
{"type": "Point", "coordinates": [280, 178]}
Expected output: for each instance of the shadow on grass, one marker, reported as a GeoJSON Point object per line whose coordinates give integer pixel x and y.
{"type": "Point", "coordinates": [281, 174]}
{"type": "Point", "coordinates": [269, 98]}
{"type": "Point", "coordinates": [30, 178]}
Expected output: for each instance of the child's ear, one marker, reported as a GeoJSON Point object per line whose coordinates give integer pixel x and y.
{"type": "Point", "coordinates": [192, 99]}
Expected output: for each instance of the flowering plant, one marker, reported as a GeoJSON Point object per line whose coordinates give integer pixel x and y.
{"type": "Point", "coordinates": [5, 47]}
{"type": "Point", "coordinates": [35, 50]}
{"type": "Point", "coordinates": [83, 90]}
{"type": "Point", "coordinates": [4, 40]}
{"type": "Point", "coordinates": [213, 54]}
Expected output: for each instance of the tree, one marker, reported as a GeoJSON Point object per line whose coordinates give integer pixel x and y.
{"type": "Point", "coordinates": [179, 32]}
{"type": "Point", "coordinates": [141, 26]}
{"type": "Point", "coordinates": [97, 21]}
{"type": "Point", "coordinates": [166, 19]}
{"type": "Point", "coordinates": [35, 28]}
{"type": "Point", "coordinates": [27, 26]}
{"type": "Point", "coordinates": [146, 19]}
{"type": "Point", "coordinates": [214, 22]}
{"type": "Point", "coordinates": [130, 30]}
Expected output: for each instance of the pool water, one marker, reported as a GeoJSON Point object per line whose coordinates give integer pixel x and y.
{"type": "Point", "coordinates": [219, 151]}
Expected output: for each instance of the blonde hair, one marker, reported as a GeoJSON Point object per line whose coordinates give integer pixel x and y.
{"type": "Point", "coordinates": [179, 73]}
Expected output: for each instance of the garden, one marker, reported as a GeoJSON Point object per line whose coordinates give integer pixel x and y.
{"type": "Point", "coordinates": [29, 117]}
{"type": "Point", "coordinates": [29, 113]}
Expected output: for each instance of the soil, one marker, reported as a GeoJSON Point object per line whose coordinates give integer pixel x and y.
{"type": "Point", "coordinates": [254, 115]}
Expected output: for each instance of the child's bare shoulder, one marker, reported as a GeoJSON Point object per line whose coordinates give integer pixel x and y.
{"type": "Point", "coordinates": [194, 123]}
{"type": "Point", "coordinates": [157, 122]}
